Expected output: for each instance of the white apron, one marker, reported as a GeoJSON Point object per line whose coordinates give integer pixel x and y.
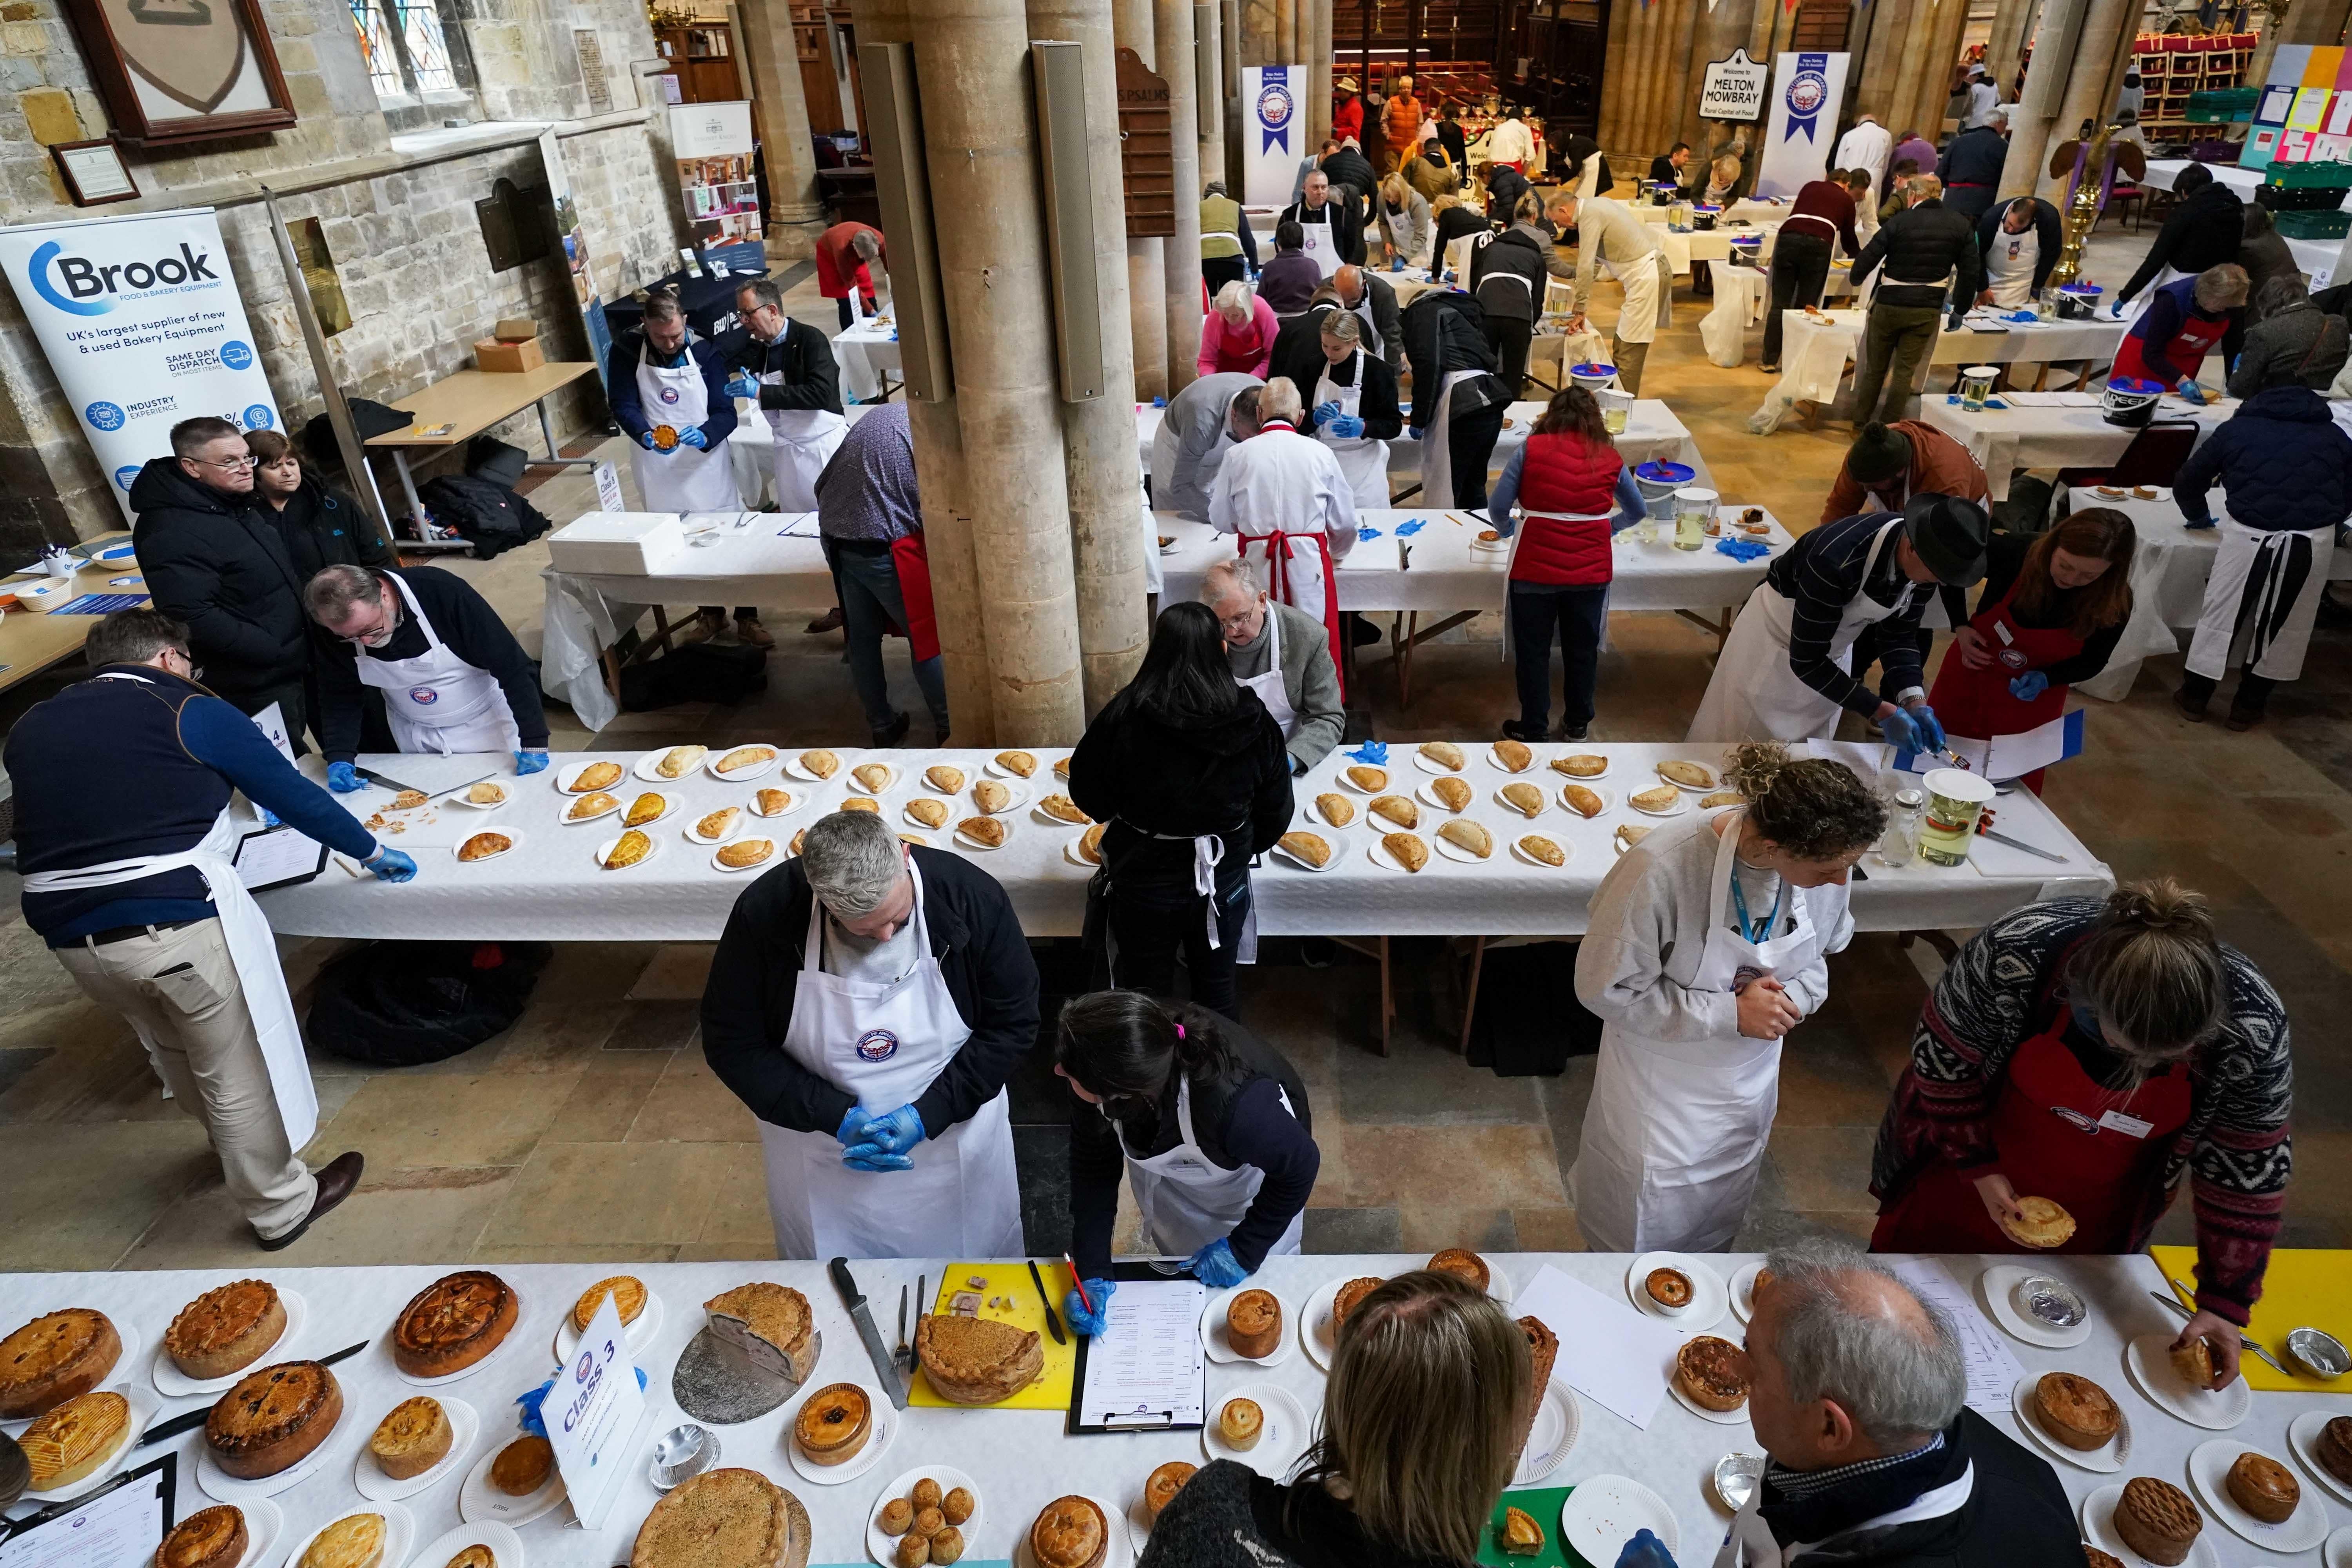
{"type": "Point", "coordinates": [681, 480]}
{"type": "Point", "coordinates": [1649, 297]}
{"type": "Point", "coordinates": [1372, 334]}
{"type": "Point", "coordinates": [2261, 601]}
{"type": "Point", "coordinates": [437, 703]}
{"type": "Point", "coordinates": [2009, 266]}
{"type": "Point", "coordinates": [1187, 1201]}
{"type": "Point", "coordinates": [1511, 559]}
{"type": "Point", "coordinates": [252, 950]}
{"type": "Point", "coordinates": [805, 440]}
{"type": "Point", "coordinates": [1588, 181]}
{"type": "Point", "coordinates": [1268, 686]}
{"type": "Point", "coordinates": [1753, 694]}
{"type": "Point", "coordinates": [1750, 1542]}
{"type": "Point", "coordinates": [1436, 448]}
{"type": "Point", "coordinates": [885, 1044]}
{"type": "Point", "coordinates": [1320, 244]}
{"type": "Point", "coordinates": [1363, 461]}
{"type": "Point", "coordinates": [1674, 1136]}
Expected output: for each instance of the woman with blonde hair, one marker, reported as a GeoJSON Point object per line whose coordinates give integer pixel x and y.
{"type": "Point", "coordinates": [1404, 218]}
{"type": "Point", "coordinates": [2093, 1053]}
{"type": "Point", "coordinates": [1707, 943]}
{"type": "Point", "coordinates": [1423, 1419]}
{"type": "Point", "coordinates": [1237, 335]}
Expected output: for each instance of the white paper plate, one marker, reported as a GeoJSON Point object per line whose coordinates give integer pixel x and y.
{"type": "Point", "coordinates": [639, 1333]}
{"type": "Point", "coordinates": [1038, 812]}
{"type": "Point", "coordinates": [1384, 861]}
{"type": "Point", "coordinates": [1559, 1420]}
{"type": "Point", "coordinates": [570, 772]}
{"type": "Point", "coordinates": [1429, 766]}
{"type": "Point", "coordinates": [670, 803]}
{"type": "Point", "coordinates": [1604, 1511]}
{"type": "Point", "coordinates": [142, 1414]}
{"type": "Point", "coordinates": [1387, 787]}
{"type": "Point", "coordinates": [1281, 1440]}
{"type": "Point", "coordinates": [760, 864]}
{"type": "Point", "coordinates": [173, 1383]}
{"type": "Point", "coordinates": [693, 830]}
{"type": "Point", "coordinates": [1314, 814]}
{"type": "Point", "coordinates": [1542, 866]}
{"type": "Point", "coordinates": [263, 1520]}
{"type": "Point", "coordinates": [1289, 859]}
{"type": "Point", "coordinates": [887, 1423]}
{"type": "Point", "coordinates": [1608, 801]}
{"type": "Point", "coordinates": [569, 820]}
{"type": "Point", "coordinates": [2107, 1459]}
{"type": "Point", "coordinates": [2302, 1441]}
{"type": "Point", "coordinates": [1534, 765]}
{"type": "Point", "coordinates": [995, 769]}
{"type": "Point", "coordinates": [606, 848]}
{"type": "Point", "coordinates": [1720, 1417]}
{"type": "Point", "coordinates": [1138, 1526]}
{"type": "Point", "coordinates": [1013, 787]}
{"type": "Point", "coordinates": [2151, 1370]}
{"type": "Point", "coordinates": [2163, 493]}
{"type": "Point", "coordinates": [909, 820]}
{"type": "Point", "coordinates": [399, 1533]}
{"type": "Point", "coordinates": [648, 766]}
{"type": "Point", "coordinates": [222, 1487]}
{"type": "Point", "coordinates": [1315, 1324]}
{"type": "Point", "coordinates": [883, 1547]}
{"type": "Point", "coordinates": [506, 798]}
{"type": "Point", "coordinates": [514, 842]}
{"type": "Point", "coordinates": [1618, 843]}
{"type": "Point", "coordinates": [792, 767]}
{"type": "Point", "coordinates": [2098, 1517]}
{"type": "Point", "coordinates": [479, 1500]}
{"type": "Point", "coordinates": [1219, 1349]}
{"type": "Point", "coordinates": [1997, 1287]}
{"type": "Point", "coordinates": [1743, 1290]}
{"type": "Point", "coordinates": [909, 836]}
{"type": "Point", "coordinates": [964, 842]}
{"type": "Point", "coordinates": [801, 797]}
{"type": "Point", "coordinates": [1453, 852]}
{"type": "Point", "coordinates": [1430, 798]}
{"type": "Point", "coordinates": [1714, 774]}
{"type": "Point", "coordinates": [1489, 546]}
{"type": "Point", "coordinates": [1378, 823]}
{"type": "Point", "coordinates": [1070, 853]}
{"type": "Point", "coordinates": [2337, 1552]}
{"type": "Point", "coordinates": [1710, 1297]}
{"type": "Point", "coordinates": [1118, 1551]}
{"type": "Point", "coordinates": [894, 777]}
{"type": "Point", "coordinates": [2208, 1469]}
{"type": "Point", "coordinates": [1571, 778]}
{"type": "Point", "coordinates": [465, 1425]}
{"type": "Point", "coordinates": [1681, 802]}
{"type": "Point", "coordinates": [1515, 813]}
{"type": "Point", "coordinates": [504, 1544]}
{"type": "Point", "coordinates": [923, 784]}
{"type": "Point", "coordinates": [740, 776]}
{"type": "Point", "coordinates": [497, 1357]}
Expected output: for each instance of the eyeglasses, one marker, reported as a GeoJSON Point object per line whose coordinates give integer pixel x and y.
{"type": "Point", "coordinates": [228, 466]}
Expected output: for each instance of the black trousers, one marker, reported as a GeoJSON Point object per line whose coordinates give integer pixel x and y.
{"type": "Point", "coordinates": [1801, 268]}
{"type": "Point", "coordinates": [1537, 609]}
{"type": "Point", "coordinates": [1216, 271]}
{"type": "Point", "coordinates": [1470, 443]}
{"type": "Point", "coordinates": [1509, 340]}
{"type": "Point", "coordinates": [1151, 924]}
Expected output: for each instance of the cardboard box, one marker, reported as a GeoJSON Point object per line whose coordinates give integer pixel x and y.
{"type": "Point", "coordinates": [509, 358]}
{"type": "Point", "coordinates": [631, 543]}
{"type": "Point", "coordinates": [515, 329]}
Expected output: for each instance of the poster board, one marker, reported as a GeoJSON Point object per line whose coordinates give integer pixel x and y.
{"type": "Point", "coordinates": [1274, 133]}
{"type": "Point", "coordinates": [1734, 89]}
{"type": "Point", "coordinates": [1807, 89]}
{"type": "Point", "coordinates": [713, 146]}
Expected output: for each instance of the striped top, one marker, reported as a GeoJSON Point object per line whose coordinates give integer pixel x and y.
{"type": "Point", "coordinates": [1822, 573]}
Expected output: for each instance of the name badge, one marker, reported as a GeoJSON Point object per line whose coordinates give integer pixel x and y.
{"type": "Point", "coordinates": [2129, 1126]}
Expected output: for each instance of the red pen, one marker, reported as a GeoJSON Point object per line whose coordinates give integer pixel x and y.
{"type": "Point", "coordinates": [1084, 1299]}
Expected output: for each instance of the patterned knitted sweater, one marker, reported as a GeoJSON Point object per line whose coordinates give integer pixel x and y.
{"type": "Point", "coordinates": [2006, 986]}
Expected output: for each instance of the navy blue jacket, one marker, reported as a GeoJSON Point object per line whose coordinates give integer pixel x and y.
{"type": "Point", "coordinates": [136, 761]}
{"type": "Point", "coordinates": [628, 409]}
{"type": "Point", "coordinates": [1974, 158]}
{"type": "Point", "coordinates": [2282, 459]}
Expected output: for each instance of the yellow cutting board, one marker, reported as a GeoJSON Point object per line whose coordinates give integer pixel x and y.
{"type": "Point", "coordinates": [1051, 1392]}
{"type": "Point", "coordinates": [2304, 1287]}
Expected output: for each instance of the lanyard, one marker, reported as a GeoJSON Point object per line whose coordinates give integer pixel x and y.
{"type": "Point", "coordinates": [1750, 930]}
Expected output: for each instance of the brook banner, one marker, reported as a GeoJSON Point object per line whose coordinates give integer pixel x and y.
{"type": "Point", "coordinates": [1808, 92]}
{"type": "Point", "coordinates": [140, 318]}
{"type": "Point", "coordinates": [1274, 132]}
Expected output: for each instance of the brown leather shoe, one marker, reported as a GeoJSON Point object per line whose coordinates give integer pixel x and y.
{"type": "Point", "coordinates": [336, 1179]}
{"type": "Point", "coordinates": [748, 629]}
{"type": "Point", "coordinates": [828, 622]}
{"type": "Point", "coordinates": [2194, 712]}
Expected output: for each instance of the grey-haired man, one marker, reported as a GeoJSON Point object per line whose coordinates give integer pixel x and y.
{"type": "Point", "coordinates": [1278, 651]}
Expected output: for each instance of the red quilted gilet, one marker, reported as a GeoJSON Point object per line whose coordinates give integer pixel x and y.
{"type": "Point", "coordinates": [1564, 473]}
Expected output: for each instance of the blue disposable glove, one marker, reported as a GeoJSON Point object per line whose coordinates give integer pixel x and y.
{"type": "Point", "coordinates": [2197, 523]}
{"type": "Point", "coordinates": [2028, 686]}
{"type": "Point", "coordinates": [1930, 727]}
{"type": "Point", "coordinates": [743, 384]}
{"type": "Point", "coordinates": [1216, 1266]}
{"type": "Point", "coordinates": [1901, 731]}
{"type": "Point", "coordinates": [876, 1164]}
{"type": "Point", "coordinates": [391, 865]}
{"type": "Point", "coordinates": [1625, 519]}
{"type": "Point", "coordinates": [1645, 1550]}
{"type": "Point", "coordinates": [848, 1133]}
{"type": "Point", "coordinates": [529, 763]}
{"type": "Point", "coordinates": [268, 817]}
{"type": "Point", "coordinates": [1074, 1308]}
{"type": "Point", "coordinates": [692, 435]}
{"type": "Point", "coordinates": [2115, 307]}
{"type": "Point", "coordinates": [849, 400]}
{"type": "Point", "coordinates": [1327, 411]}
{"type": "Point", "coordinates": [2186, 386]}
{"type": "Point", "coordinates": [1416, 432]}
{"type": "Point", "coordinates": [646, 441]}
{"type": "Point", "coordinates": [1347, 426]}
{"type": "Point", "coordinates": [344, 778]}
{"type": "Point", "coordinates": [895, 1133]}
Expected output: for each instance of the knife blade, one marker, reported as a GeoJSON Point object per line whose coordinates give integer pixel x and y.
{"type": "Point", "coordinates": [1052, 1322]}
{"type": "Point", "coordinates": [188, 1421]}
{"type": "Point", "coordinates": [2244, 1341]}
{"type": "Point", "coordinates": [2019, 844]}
{"type": "Point", "coordinates": [384, 779]}
{"type": "Point", "coordinates": [876, 1351]}
{"type": "Point", "coordinates": [469, 783]}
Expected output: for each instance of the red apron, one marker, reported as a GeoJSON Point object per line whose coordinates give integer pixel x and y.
{"type": "Point", "coordinates": [913, 561]}
{"type": "Point", "coordinates": [1976, 702]}
{"type": "Point", "coordinates": [2188, 349]}
{"type": "Point", "coordinates": [1277, 582]}
{"type": "Point", "coordinates": [2059, 1136]}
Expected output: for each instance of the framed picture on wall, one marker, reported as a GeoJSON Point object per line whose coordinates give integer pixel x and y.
{"type": "Point", "coordinates": [93, 172]}
{"type": "Point", "coordinates": [174, 71]}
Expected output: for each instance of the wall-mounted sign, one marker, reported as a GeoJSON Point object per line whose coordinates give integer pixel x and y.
{"type": "Point", "coordinates": [1147, 164]}
{"type": "Point", "coordinates": [1734, 89]}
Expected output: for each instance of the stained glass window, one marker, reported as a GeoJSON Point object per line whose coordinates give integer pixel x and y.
{"type": "Point", "coordinates": [428, 51]}
{"type": "Point", "coordinates": [406, 57]}
{"type": "Point", "coordinates": [376, 46]}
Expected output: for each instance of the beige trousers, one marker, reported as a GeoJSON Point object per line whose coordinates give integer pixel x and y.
{"type": "Point", "coordinates": [181, 990]}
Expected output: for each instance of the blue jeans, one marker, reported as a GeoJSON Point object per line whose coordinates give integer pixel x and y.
{"type": "Point", "coordinates": [870, 605]}
{"type": "Point", "coordinates": [1577, 612]}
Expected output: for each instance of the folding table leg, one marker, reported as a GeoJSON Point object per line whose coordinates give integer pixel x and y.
{"type": "Point", "coordinates": [547, 431]}
{"type": "Point", "coordinates": [1377, 949]}
{"type": "Point", "coordinates": [1470, 992]}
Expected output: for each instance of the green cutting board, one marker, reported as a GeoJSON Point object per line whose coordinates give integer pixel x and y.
{"type": "Point", "coordinates": [1542, 1505]}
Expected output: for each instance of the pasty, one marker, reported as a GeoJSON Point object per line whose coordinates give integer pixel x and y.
{"type": "Point", "coordinates": [1397, 809]}
{"type": "Point", "coordinates": [718, 823]}
{"type": "Point", "coordinates": [747, 852]}
{"type": "Point", "coordinates": [1582, 800]}
{"type": "Point", "coordinates": [799, 839]}
{"type": "Point", "coordinates": [1539, 847]}
{"type": "Point", "coordinates": [861, 803]}
{"type": "Point", "coordinates": [1337, 809]}
{"type": "Point", "coordinates": [488, 793]}
{"type": "Point", "coordinates": [589, 806]}
{"type": "Point", "coordinates": [1409, 851]}
{"type": "Point", "coordinates": [1467, 834]}
{"type": "Point", "coordinates": [1583, 766]}
{"type": "Point", "coordinates": [1516, 755]}
{"type": "Point", "coordinates": [1061, 767]}
{"type": "Point", "coordinates": [1489, 536]}
{"type": "Point", "coordinates": [482, 846]}
{"type": "Point", "coordinates": [1524, 798]}
{"type": "Point", "coordinates": [1630, 834]}
{"type": "Point", "coordinates": [929, 812]}
{"type": "Point", "coordinates": [872, 777]}
{"type": "Point", "coordinates": [991, 796]}
{"type": "Point", "coordinates": [1367, 779]}
{"type": "Point", "coordinates": [409, 800]}
{"type": "Point", "coordinates": [596, 776]}
{"type": "Point", "coordinates": [1723, 797]}
{"type": "Point", "coordinates": [742, 757]}
{"type": "Point", "coordinates": [1444, 753]}
{"type": "Point", "coordinates": [2193, 1361]}
{"type": "Point", "coordinates": [1306, 846]}
{"type": "Point", "coordinates": [629, 849]}
{"type": "Point", "coordinates": [1454, 792]}
{"type": "Point", "coordinates": [1662, 798]}
{"type": "Point", "coordinates": [943, 778]}
{"type": "Point", "coordinates": [679, 760]}
{"type": "Point", "coordinates": [1090, 844]}
{"type": "Point", "coordinates": [1691, 773]}
{"type": "Point", "coordinates": [773, 802]}
{"type": "Point", "coordinates": [646, 807]}
{"type": "Point", "coordinates": [985, 830]}
{"type": "Point", "coordinates": [1022, 764]}
{"type": "Point", "coordinates": [1062, 808]}
{"type": "Point", "coordinates": [824, 764]}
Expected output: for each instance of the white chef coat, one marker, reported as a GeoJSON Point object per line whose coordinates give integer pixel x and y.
{"type": "Point", "coordinates": [1282, 482]}
{"type": "Point", "coordinates": [1511, 142]}
{"type": "Point", "coordinates": [1868, 145]}
{"type": "Point", "coordinates": [2010, 262]}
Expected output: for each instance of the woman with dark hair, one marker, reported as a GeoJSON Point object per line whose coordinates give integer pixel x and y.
{"type": "Point", "coordinates": [2094, 1053]}
{"type": "Point", "coordinates": [321, 526]}
{"type": "Point", "coordinates": [1189, 771]}
{"type": "Point", "coordinates": [1707, 943]}
{"type": "Point", "coordinates": [1209, 1123]}
{"type": "Point", "coordinates": [2053, 610]}
{"type": "Point", "coordinates": [1563, 479]}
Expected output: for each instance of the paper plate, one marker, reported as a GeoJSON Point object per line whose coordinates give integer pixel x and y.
{"type": "Point", "coordinates": [1386, 861]}
{"type": "Point", "coordinates": [1604, 1512]}
{"type": "Point", "coordinates": [1559, 1421]}
{"type": "Point", "coordinates": [883, 1547]}
{"type": "Point", "coordinates": [1427, 798]}
{"type": "Point", "coordinates": [887, 1423]}
{"type": "Point", "coordinates": [506, 796]}
{"type": "Point", "coordinates": [1453, 852]}
{"type": "Point", "coordinates": [1587, 778]}
{"type": "Point", "coordinates": [173, 1383]}
{"type": "Point", "coordinates": [1070, 853]}
{"type": "Point", "coordinates": [922, 840]}
{"type": "Point", "coordinates": [1315, 1323]}
{"type": "Point", "coordinates": [1290, 859]}
{"type": "Point", "coordinates": [142, 1412]}
{"type": "Point", "coordinates": [513, 835]}
{"type": "Point", "coordinates": [916, 823]}
{"type": "Point", "coordinates": [1314, 813]}
{"type": "Point", "coordinates": [792, 767]}
{"type": "Point", "coordinates": [1710, 1297]}
{"type": "Point", "coordinates": [222, 1487]}
{"type": "Point", "coordinates": [569, 772]}
{"type": "Point", "coordinates": [2337, 1552]}
{"type": "Point", "coordinates": [2107, 1459]}
{"type": "Point", "coordinates": [465, 1425]}
{"type": "Point", "coordinates": [1997, 1286]}
{"type": "Point", "coordinates": [262, 1522]}
{"type": "Point", "coordinates": [894, 777]}
{"type": "Point", "coordinates": [1617, 840]}
{"type": "Point", "coordinates": [801, 797]}
{"type": "Point", "coordinates": [2098, 1516]}
{"type": "Point", "coordinates": [1219, 1349]}
{"type": "Point", "coordinates": [1608, 801]}
{"type": "Point", "coordinates": [1380, 823]}
{"type": "Point", "coordinates": [2151, 1370]}
{"type": "Point", "coordinates": [1118, 1551]}
{"type": "Point", "coordinates": [569, 820]}
{"type": "Point", "coordinates": [1520, 855]}
{"type": "Point", "coordinates": [1018, 791]}
{"type": "Point", "coordinates": [504, 1544]}
{"type": "Point", "coordinates": [1743, 1290]}
{"type": "Point", "coordinates": [1516, 814]}
{"type": "Point", "coordinates": [497, 1357]}
{"type": "Point", "coordinates": [399, 1533]}
{"type": "Point", "coordinates": [742, 775]}
{"type": "Point", "coordinates": [670, 803]}
{"type": "Point", "coordinates": [1431, 765]}
{"type": "Point", "coordinates": [1490, 546]}
{"type": "Point", "coordinates": [1500, 766]}
{"type": "Point", "coordinates": [965, 841]}
{"type": "Point", "coordinates": [693, 830]}
{"type": "Point", "coordinates": [1720, 1417]}
{"type": "Point", "coordinates": [605, 849]}
{"type": "Point", "coordinates": [995, 769]}
{"type": "Point", "coordinates": [1284, 1437]}
{"type": "Point", "coordinates": [479, 1500]}
{"type": "Point", "coordinates": [647, 767]}
{"type": "Point", "coordinates": [2208, 1469]}
{"type": "Point", "coordinates": [1346, 782]}
{"type": "Point", "coordinates": [1038, 812]}
{"type": "Point", "coordinates": [2303, 1442]}
{"type": "Point", "coordinates": [1681, 802]}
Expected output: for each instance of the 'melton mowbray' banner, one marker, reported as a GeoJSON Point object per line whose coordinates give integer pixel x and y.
{"type": "Point", "coordinates": [141, 320]}
{"type": "Point", "coordinates": [1274, 140]}
{"type": "Point", "coordinates": [1807, 91]}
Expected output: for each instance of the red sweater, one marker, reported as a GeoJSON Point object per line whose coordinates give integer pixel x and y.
{"type": "Point", "coordinates": [837, 266]}
{"type": "Point", "coordinates": [1828, 209]}
{"type": "Point", "coordinates": [1563, 473]}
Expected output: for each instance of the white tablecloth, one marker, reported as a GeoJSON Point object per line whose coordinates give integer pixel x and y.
{"type": "Point", "coordinates": [2005, 440]}
{"type": "Point", "coordinates": [866, 353]}
{"type": "Point", "coordinates": [549, 888]}
{"type": "Point", "coordinates": [1020, 1459]}
{"type": "Point", "coordinates": [1814, 352]}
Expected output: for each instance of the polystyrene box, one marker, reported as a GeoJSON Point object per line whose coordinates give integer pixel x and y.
{"type": "Point", "coordinates": [619, 542]}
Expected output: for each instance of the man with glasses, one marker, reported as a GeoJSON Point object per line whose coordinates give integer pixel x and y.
{"type": "Point", "coordinates": [1279, 652]}
{"type": "Point", "coordinates": [452, 677]}
{"type": "Point", "coordinates": [215, 563]}
{"type": "Point", "coordinates": [788, 370]}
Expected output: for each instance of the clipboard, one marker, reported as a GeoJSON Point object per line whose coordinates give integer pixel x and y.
{"type": "Point", "coordinates": [1122, 1273]}
{"type": "Point", "coordinates": [278, 844]}
{"type": "Point", "coordinates": [64, 1533]}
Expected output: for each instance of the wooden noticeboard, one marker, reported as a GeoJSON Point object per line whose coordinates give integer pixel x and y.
{"type": "Point", "coordinates": [1147, 165]}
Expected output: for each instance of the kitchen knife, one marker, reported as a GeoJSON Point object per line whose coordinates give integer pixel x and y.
{"type": "Point", "coordinates": [469, 783]}
{"type": "Point", "coordinates": [2019, 844]}
{"type": "Point", "coordinates": [876, 1351]}
{"type": "Point", "coordinates": [188, 1421]}
{"type": "Point", "coordinates": [384, 779]}
{"type": "Point", "coordinates": [2244, 1341]}
{"type": "Point", "coordinates": [1052, 1322]}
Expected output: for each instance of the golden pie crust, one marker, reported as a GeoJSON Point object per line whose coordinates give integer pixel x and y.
{"type": "Point", "coordinates": [834, 1424]}
{"type": "Point", "coordinates": [977, 1360]}
{"type": "Point", "coordinates": [1712, 1373]}
{"type": "Point", "coordinates": [2076, 1411]}
{"type": "Point", "coordinates": [1161, 1488]}
{"type": "Point", "coordinates": [453, 1324]}
{"type": "Point", "coordinates": [2157, 1521]}
{"type": "Point", "coordinates": [721, 1519]}
{"type": "Point", "coordinates": [1344, 1300]}
{"type": "Point", "coordinates": [72, 1442]}
{"type": "Point", "coordinates": [54, 1358]}
{"type": "Point", "coordinates": [273, 1419]}
{"type": "Point", "coordinates": [412, 1439]}
{"type": "Point", "coordinates": [226, 1329]}
{"type": "Point", "coordinates": [628, 1293]}
{"type": "Point", "coordinates": [209, 1538]}
{"type": "Point", "coordinates": [523, 1466]}
{"type": "Point", "coordinates": [1254, 1323]}
{"type": "Point", "coordinates": [355, 1542]}
{"type": "Point", "coordinates": [1461, 1264]}
{"type": "Point", "coordinates": [1070, 1532]}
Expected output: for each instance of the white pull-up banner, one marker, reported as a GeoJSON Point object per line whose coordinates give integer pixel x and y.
{"type": "Point", "coordinates": [1273, 134]}
{"type": "Point", "coordinates": [1807, 89]}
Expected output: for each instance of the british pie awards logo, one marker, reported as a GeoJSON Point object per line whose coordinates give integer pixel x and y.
{"type": "Point", "coordinates": [1276, 111]}
{"type": "Point", "coordinates": [1808, 92]}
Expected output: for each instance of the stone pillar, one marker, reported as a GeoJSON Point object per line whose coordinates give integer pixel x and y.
{"type": "Point", "coordinates": [1229, 27]}
{"type": "Point", "coordinates": [2006, 46]}
{"type": "Point", "coordinates": [1147, 273]}
{"type": "Point", "coordinates": [795, 212]}
{"type": "Point", "coordinates": [1317, 30]}
{"type": "Point", "coordinates": [1214, 92]}
{"type": "Point", "coordinates": [1180, 253]}
{"type": "Point", "coordinates": [1721, 31]}
{"type": "Point", "coordinates": [2109, 27]}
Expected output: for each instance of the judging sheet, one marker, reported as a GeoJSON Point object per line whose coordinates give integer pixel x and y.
{"type": "Point", "coordinates": [1149, 1367]}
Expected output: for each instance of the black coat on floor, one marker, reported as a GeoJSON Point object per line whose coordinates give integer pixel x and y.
{"type": "Point", "coordinates": [214, 563]}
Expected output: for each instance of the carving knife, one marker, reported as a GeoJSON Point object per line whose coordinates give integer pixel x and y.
{"type": "Point", "coordinates": [386, 780]}
{"type": "Point", "coordinates": [469, 783]}
{"type": "Point", "coordinates": [1052, 1322]}
{"type": "Point", "coordinates": [877, 1352]}
{"type": "Point", "coordinates": [190, 1420]}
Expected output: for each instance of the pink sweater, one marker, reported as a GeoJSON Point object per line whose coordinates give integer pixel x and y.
{"type": "Point", "coordinates": [1251, 349]}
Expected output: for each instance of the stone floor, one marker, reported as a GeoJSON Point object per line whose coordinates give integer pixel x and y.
{"type": "Point", "coordinates": [592, 1130]}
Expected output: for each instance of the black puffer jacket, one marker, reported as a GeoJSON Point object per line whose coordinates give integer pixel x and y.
{"type": "Point", "coordinates": [2281, 458]}
{"type": "Point", "coordinates": [1920, 246]}
{"type": "Point", "coordinates": [1228, 775]}
{"type": "Point", "coordinates": [213, 562]}
{"type": "Point", "coordinates": [323, 527]}
{"type": "Point", "coordinates": [1507, 274]}
{"type": "Point", "coordinates": [2203, 231]}
{"type": "Point", "coordinates": [1443, 332]}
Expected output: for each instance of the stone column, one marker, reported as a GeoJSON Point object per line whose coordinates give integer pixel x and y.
{"type": "Point", "coordinates": [2109, 27]}
{"type": "Point", "coordinates": [2319, 22]}
{"type": "Point", "coordinates": [1216, 93]}
{"type": "Point", "coordinates": [2006, 47]}
{"type": "Point", "coordinates": [795, 212]}
{"type": "Point", "coordinates": [1180, 253]}
{"type": "Point", "coordinates": [1147, 273]}
{"type": "Point", "coordinates": [1721, 31]}
{"type": "Point", "coordinates": [1229, 27]}
{"type": "Point", "coordinates": [1101, 470]}
{"type": "Point", "coordinates": [1317, 30]}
